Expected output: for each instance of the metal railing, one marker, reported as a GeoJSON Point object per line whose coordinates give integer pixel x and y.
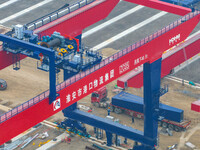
{"type": "Point", "coordinates": [106, 61]}
{"type": "Point", "coordinates": [24, 106]}
{"type": "Point", "coordinates": [56, 14]}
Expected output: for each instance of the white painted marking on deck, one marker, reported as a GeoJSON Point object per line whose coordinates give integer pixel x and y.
{"type": "Point", "coordinates": [24, 11]}
{"type": "Point", "coordinates": [8, 3]}
{"type": "Point", "coordinates": [113, 20]}
{"type": "Point", "coordinates": [130, 30]}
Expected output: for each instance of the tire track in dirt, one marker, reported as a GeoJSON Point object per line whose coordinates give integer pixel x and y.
{"type": "Point", "coordinates": [183, 140]}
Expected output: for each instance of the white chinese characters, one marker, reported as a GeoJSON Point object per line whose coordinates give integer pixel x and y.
{"type": "Point", "coordinates": [124, 67]}
{"type": "Point", "coordinates": [138, 60]}
{"type": "Point", "coordinates": [90, 86]}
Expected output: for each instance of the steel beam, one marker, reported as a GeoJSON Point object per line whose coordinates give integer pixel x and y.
{"type": "Point", "coordinates": [109, 138]}
{"type": "Point", "coordinates": [45, 51]}
{"type": "Point", "coordinates": [26, 45]}
{"type": "Point", "coordinates": [152, 77]}
{"type": "Point", "coordinates": [170, 60]}
{"type": "Point", "coordinates": [32, 114]}
{"type": "Point", "coordinates": [156, 4]}
{"type": "Point", "coordinates": [73, 23]}
{"type": "Point", "coordinates": [109, 126]}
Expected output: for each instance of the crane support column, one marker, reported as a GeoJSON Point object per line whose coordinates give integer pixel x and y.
{"type": "Point", "coordinates": [152, 78]}
{"type": "Point", "coordinates": [52, 78]}
{"type": "Point", "coordinates": [109, 138]}
{"type": "Point", "coordinates": [45, 51]}
{"type": "Point", "coordinates": [79, 37]}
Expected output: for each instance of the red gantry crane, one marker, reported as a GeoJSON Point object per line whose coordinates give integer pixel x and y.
{"type": "Point", "coordinates": [147, 51]}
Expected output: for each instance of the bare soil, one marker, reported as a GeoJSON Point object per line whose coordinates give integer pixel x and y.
{"type": "Point", "coordinates": [36, 143]}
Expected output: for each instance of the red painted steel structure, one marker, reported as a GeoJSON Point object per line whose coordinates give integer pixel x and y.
{"type": "Point", "coordinates": [6, 59]}
{"type": "Point", "coordinates": [156, 4]}
{"type": "Point", "coordinates": [73, 23]}
{"type": "Point", "coordinates": [168, 63]}
{"type": "Point", "coordinates": [195, 106]}
{"type": "Point", "coordinates": [36, 110]}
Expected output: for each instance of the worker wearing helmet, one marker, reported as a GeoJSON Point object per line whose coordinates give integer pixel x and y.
{"type": "Point", "coordinates": [108, 111]}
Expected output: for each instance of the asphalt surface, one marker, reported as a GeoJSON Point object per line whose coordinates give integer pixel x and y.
{"type": "Point", "coordinates": [191, 72]}
{"type": "Point", "coordinates": [32, 15]}
{"type": "Point", "coordinates": [126, 23]}
{"type": "Point", "coordinates": [105, 33]}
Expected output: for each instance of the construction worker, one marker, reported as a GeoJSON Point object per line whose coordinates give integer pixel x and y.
{"type": "Point", "coordinates": [125, 141]}
{"type": "Point", "coordinates": [108, 111]}
{"type": "Point", "coordinates": [132, 119]}
{"type": "Point", "coordinates": [95, 130]}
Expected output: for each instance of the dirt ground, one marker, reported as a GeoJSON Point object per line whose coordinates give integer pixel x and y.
{"type": "Point", "coordinates": [172, 98]}
{"type": "Point", "coordinates": [36, 143]}
{"type": "Point", "coordinates": [1, 112]}
{"type": "Point", "coordinates": [76, 144]}
{"type": "Point", "coordinates": [23, 84]}
{"type": "Point", "coordinates": [29, 82]}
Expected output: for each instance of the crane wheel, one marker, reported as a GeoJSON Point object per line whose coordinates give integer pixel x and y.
{"type": "Point", "coordinates": [117, 110]}
{"type": "Point", "coordinates": [171, 126]}
{"type": "Point", "coordinates": [63, 50]}
{"type": "Point", "coordinates": [70, 46]}
{"type": "Point", "coordinates": [164, 125]}
{"type": "Point", "coordinates": [61, 54]}
{"type": "Point", "coordinates": [177, 128]}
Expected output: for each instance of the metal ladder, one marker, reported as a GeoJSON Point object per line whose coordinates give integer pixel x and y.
{"type": "Point", "coordinates": [16, 61]}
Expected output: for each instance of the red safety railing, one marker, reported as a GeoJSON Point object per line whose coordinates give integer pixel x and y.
{"type": "Point", "coordinates": [56, 14]}
{"type": "Point", "coordinates": [106, 61]}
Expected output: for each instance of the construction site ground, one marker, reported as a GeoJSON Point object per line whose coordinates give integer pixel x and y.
{"type": "Point", "coordinates": [38, 142]}
{"type": "Point", "coordinates": [29, 82]}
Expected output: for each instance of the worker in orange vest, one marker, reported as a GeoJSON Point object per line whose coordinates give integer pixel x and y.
{"type": "Point", "coordinates": [108, 111]}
